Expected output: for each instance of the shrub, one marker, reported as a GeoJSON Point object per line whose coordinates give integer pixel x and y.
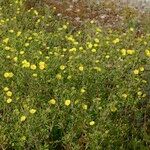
{"type": "Point", "coordinates": [71, 89]}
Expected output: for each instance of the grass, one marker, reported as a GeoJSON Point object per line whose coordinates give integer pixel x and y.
{"type": "Point", "coordinates": [70, 86]}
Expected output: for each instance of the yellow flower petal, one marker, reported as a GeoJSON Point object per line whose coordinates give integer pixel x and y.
{"type": "Point", "coordinates": [92, 123]}
{"type": "Point", "coordinates": [9, 93]}
{"type": "Point", "coordinates": [42, 65]}
{"type": "Point", "coordinates": [6, 40]}
{"type": "Point", "coordinates": [32, 111]}
{"type": "Point", "coordinates": [141, 69]}
{"type": "Point", "coordinates": [67, 102]}
{"type": "Point", "coordinates": [6, 89]}
{"type": "Point", "coordinates": [62, 67]}
{"type": "Point", "coordinates": [33, 67]}
{"type": "Point", "coordinates": [136, 71]}
{"type": "Point", "coordinates": [81, 68]}
{"type": "Point", "coordinates": [58, 76]}
{"type": "Point", "coordinates": [23, 118]}
{"type": "Point", "coordinates": [84, 106]}
{"type": "Point", "coordinates": [52, 101]}
{"type": "Point", "coordinates": [9, 100]}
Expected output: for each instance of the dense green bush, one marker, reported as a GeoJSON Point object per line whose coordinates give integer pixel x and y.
{"type": "Point", "coordinates": [71, 89]}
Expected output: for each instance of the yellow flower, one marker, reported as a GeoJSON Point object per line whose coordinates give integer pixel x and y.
{"type": "Point", "coordinates": [147, 52]}
{"type": "Point", "coordinates": [11, 31]}
{"type": "Point", "coordinates": [136, 71]}
{"type": "Point", "coordinates": [30, 38]}
{"type": "Point", "coordinates": [131, 29]}
{"type": "Point", "coordinates": [47, 57]}
{"type": "Point", "coordinates": [9, 93]}
{"type": "Point", "coordinates": [21, 52]}
{"type": "Point", "coordinates": [96, 40]}
{"type": "Point", "coordinates": [116, 40]}
{"type": "Point", "coordinates": [97, 61]}
{"type": "Point", "coordinates": [26, 44]}
{"type": "Point", "coordinates": [34, 75]}
{"type": "Point", "coordinates": [36, 12]}
{"type": "Point", "coordinates": [95, 45]}
{"type": "Point", "coordinates": [23, 138]}
{"type": "Point", "coordinates": [73, 49]}
{"type": "Point", "coordinates": [8, 56]}
{"type": "Point", "coordinates": [70, 38]}
{"type": "Point", "coordinates": [82, 90]}
{"type": "Point", "coordinates": [39, 20]}
{"type": "Point", "coordinates": [7, 48]}
{"type": "Point", "coordinates": [52, 101]}
{"type": "Point", "coordinates": [62, 67]}
{"type": "Point", "coordinates": [8, 74]}
{"type": "Point", "coordinates": [40, 52]}
{"type": "Point", "coordinates": [32, 111]}
{"type": "Point", "coordinates": [58, 76]}
{"type": "Point", "coordinates": [90, 45]}
{"type": "Point", "coordinates": [141, 68]}
{"type": "Point", "coordinates": [75, 43]}
{"type": "Point", "coordinates": [144, 81]}
{"type": "Point", "coordinates": [64, 49]}
{"type": "Point", "coordinates": [98, 69]}
{"type": "Point", "coordinates": [123, 51]}
{"type": "Point", "coordinates": [33, 67]}
{"type": "Point", "coordinates": [145, 43]}
{"type": "Point", "coordinates": [107, 131]}
{"type": "Point", "coordinates": [81, 48]}
{"type": "Point", "coordinates": [139, 93]}
{"type": "Point", "coordinates": [92, 21]}
{"type": "Point", "coordinates": [11, 74]}
{"type": "Point", "coordinates": [25, 64]}
{"type": "Point", "coordinates": [69, 77]}
{"type": "Point", "coordinates": [130, 52]}
{"type": "Point", "coordinates": [144, 95]}
{"type": "Point", "coordinates": [6, 40]}
{"type": "Point", "coordinates": [76, 101]}
{"type": "Point", "coordinates": [93, 50]}
{"type": "Point", "coordinates": [15, 59]}
{"type": "Point", "coordinates": [6, 89]}
{"type": "Point", "coordinates": [42, 65]}
{"type": "Point", "coordinates": [124, 95]}
{"type": "Point", "coordinates": [107, 56]}
{"type": "Point", "coordinates": [18, 33]}
{"type": "Point", "coordinates": [9, 100]}
{"type": "Point", "coordinates": [84, 106]}
{"type": "Point", "coordinates": [64, 27]}
{"type": "Point", "coordinates": [113, 108]}
{"type": "Point", "coordinates": [23, 118]}
{"type": "Point", "coordinates": [92, 123]}
{"type": "Point", "coordinates": [81, 68]}
{"type": "Point", "coordinates": [98, 30]}
{"type": "Point", "coordinates": [67, 102]}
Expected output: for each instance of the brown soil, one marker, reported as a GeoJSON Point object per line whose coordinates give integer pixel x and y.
{"type": "Point", "coordinates": [78, 12]}
{"type": "Point", "coordinates": [107, 14]}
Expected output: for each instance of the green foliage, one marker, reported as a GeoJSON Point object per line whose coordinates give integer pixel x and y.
{"type": "Point", "coordinates": [71, 89]}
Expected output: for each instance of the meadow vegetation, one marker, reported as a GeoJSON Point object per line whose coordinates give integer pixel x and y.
{"type": "Point", "coordinates": [73, 86]}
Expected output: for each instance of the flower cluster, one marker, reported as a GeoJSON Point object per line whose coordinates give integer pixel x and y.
{"type": "Point", "coordinates": [66, 85]}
